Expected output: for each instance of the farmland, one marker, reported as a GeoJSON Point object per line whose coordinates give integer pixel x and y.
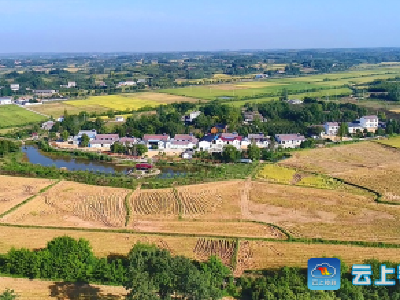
{"type": "Point", "coordinates": [327, 214]}
{"type": "Point", "coordinates": [73, 204]}
{"type": "Point", "coordinates": [13, 115]}
{"type": "Point", "coordinates": [28, 289]}
{"type": "Point", "coordinates": [132, 101]}
{"type": "Point", "coordinates": [321, 85]}
{"type": "Point", "coordinates": [367, 164]}
{"type": "Point", "coordinates": [15, 190]}
{"type": "Point", "coordinates": [392, 142]}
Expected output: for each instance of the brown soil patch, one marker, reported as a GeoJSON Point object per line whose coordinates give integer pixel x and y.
{"type": "Point", "coordinates": [34, 289]}
{"type": "Point", "coordinates": [103, 243]}
{"type": "Point", "coordinates": [14, 190]}
{"type": "Point", "coordinates": [73, 204]}
{"type": "Point", "coordinates": [367, 164]}
{"type": "Point", "coordinates": [162, 97]}
{"type": "Point", "coordinates": [211, 228]}
{"type": "Point", "coordinates": [327, 214]}
{"type": "Point", "coordinates": [281, 254]}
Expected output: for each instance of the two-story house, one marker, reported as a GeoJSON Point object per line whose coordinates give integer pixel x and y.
{"type": "Point", "coordinates": [331, 128]}
{"type": "Point", "coordinates": [369, 122]}
{"type": "Point", "coordinates": [291, 140]}
{"type": "Point", "coordinates": [208, 143]}
{"type": "Point", "coordinates": [157, 141]}
{"type": "Point", "coordinates": [104, 140]}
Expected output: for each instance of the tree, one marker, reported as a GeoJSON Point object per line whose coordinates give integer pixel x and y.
{"type": "Point", "coordinates": [65, 135]}
{"type": "Point", "coordinates": [85, 140]}
{"type": "Point", "coordinates": [230, 154]}
{"type": "Point", "coordinates": [141, 149]}
{"type": "Point", "coordinates": [343, 129]}
{"type": "Point", "coordinates": [8, 295]}
{"type": "Point", "coordinates": [253, 152]}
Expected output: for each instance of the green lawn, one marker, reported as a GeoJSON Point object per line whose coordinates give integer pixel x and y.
{"type": "Point", "coordinates": [13, 115]}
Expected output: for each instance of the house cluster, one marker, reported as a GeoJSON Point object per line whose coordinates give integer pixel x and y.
{"type": "Point", "coordinates": [370, 123]}
{"type": "Point", "coordinates": [185, 143]}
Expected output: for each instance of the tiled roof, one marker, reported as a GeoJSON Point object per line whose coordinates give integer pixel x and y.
{"type": "Point", "coordinates": [370, 117]}
{"type": "Point", "coordinates": [290, 137]}
{"type": "Point", "coordinates": [332, 123]}
{"type": "Point", "coordinates": [113, 136]}
{"type": "Point", "coordinates": [156, 137]}
{"type": "Point", "coordinates": [229, 135]}
{"type": "Point", "coordinates": [99, 142]}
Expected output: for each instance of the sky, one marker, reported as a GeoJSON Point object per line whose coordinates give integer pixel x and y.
{"type": "Point", "coordinates": [28, 26]}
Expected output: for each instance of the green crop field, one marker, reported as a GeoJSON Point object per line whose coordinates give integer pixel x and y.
{"type": "Point", "coordinates": [13, 115]}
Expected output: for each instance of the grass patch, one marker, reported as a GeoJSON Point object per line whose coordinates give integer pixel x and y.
{"type": "Point", "coordinates": [13, 115]}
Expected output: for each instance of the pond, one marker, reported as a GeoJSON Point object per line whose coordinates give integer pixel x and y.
{"type": "Point", "coordinates": [35, 156]}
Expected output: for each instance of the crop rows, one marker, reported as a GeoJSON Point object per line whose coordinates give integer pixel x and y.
{"type": "Point", "coordinates": [109, 210]}
{"type": "Point", "coordinates": [199, 203]}
{"type": "Point", "coordinates": [224, 249]}
{"type": "Point", "coordinates": [158, 203]}
{"type": "Point", "coordinates": [244, 257]}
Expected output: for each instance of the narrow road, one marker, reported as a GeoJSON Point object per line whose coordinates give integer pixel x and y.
{"type": "Point", "coordinates": [244, 199]}
{"type": "Point", "coordinates": [36, 112]}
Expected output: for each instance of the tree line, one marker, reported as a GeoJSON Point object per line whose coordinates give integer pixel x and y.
{"type": "Point", "coordinates": [150, 273]}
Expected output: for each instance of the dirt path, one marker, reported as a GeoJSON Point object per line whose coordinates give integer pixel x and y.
{"type": "Point", "coordinates": [133, 196]}
{"type": "Point", "coordinates": [244, 199]}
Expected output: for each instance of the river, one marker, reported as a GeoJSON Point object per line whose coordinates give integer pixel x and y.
{"type": "Point", "coordinates": [35, 156]}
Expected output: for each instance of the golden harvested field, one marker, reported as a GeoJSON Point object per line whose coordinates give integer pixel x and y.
{"type": "Point", "coordinates": [211, 228]}
{"type": "Point", "coordinates": [73, 204]}
{"type": "Point", "coordinates": [281, 254]}
{"type": "Point", "coordinates": [154, 204]}
{"type": "Point", "coordinates": [327, 214]}
{"type": "Point", "coordinates": [367, 164]}
{"type": "Point", "coordinates": [130, 101]}
{"type": "Point", "coordinates": [57, 109]}
{"type": "Point", "coordinates": [14, 190]}
{"type": "Point", "coordinates": [103, 243]}
{"type": "Point", "coordinates": [211, 201]}
{"type": "Point", "coordinates": [28, 289]}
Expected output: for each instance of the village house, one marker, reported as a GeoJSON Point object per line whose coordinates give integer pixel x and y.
{"type": "Point", "coordinates": [107, 137]}
{"type": "Point", "coordinates": [101, 144]}
{"type": "Point", "coordinates": [187, 154]}
{"type": "Point", "coordinates": [186, 137]}
{"type": "Point", "coordinates": [47, 125]}
{"type": "Point", "coordinates": [45, 93]}
{"type": "Point", "coordinates": [251, 116]}
{"type": "Point", "coordinates": [157, 141]}
{"type": "Point", "coordinates": [295, 101]}
{"type": "Point", "coordinates": [258, 139]}
{"type": "Point", "coordinates": [291, 140]}
{"type": "Point", "coordinates": [191, 116]}
{"type": "Point", "coordinates": [90, 133]}
{"type": "Point", "coordinates": [369, 122]}
{"type": "Point", "coordinates": [353, 126]}
{"type": "Point", "coordinates": [119, 118]}
{"type": "Point", "coordinates": [14, 87]}
{"type": "Point", "coordinates": [5, 100]}
{"type": "Point", "coordinates": [207, 143]}
{"type": "Point", "coordinates": [182, 145]}
{"type": "Point", "coordinates": [232, 139]}
{"type": "Point", "coordinates": [60, 119]}
{"type": "Point", "coordinates": [128, 140]}
{"type": "Point", "coordinates": [218, 128]}
{"type": "Point", "coordinates": [331, 128]}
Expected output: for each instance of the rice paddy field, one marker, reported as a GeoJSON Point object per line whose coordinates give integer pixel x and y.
{"type": "Point", "coordinates": [321, 85]}
{"type": "Point", "coordinates": [131, 101]}
{"type": "Point", "coordinates": [367, 164]}
{"type": "Point", "coordinates": [13, 115]}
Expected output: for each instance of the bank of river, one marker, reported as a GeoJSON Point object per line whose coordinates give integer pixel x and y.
{"type": "Point", "coordinates": [35, 156]}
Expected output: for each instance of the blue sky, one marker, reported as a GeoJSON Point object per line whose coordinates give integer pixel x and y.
{"type": "Point", "coordinates": [184, 25]}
